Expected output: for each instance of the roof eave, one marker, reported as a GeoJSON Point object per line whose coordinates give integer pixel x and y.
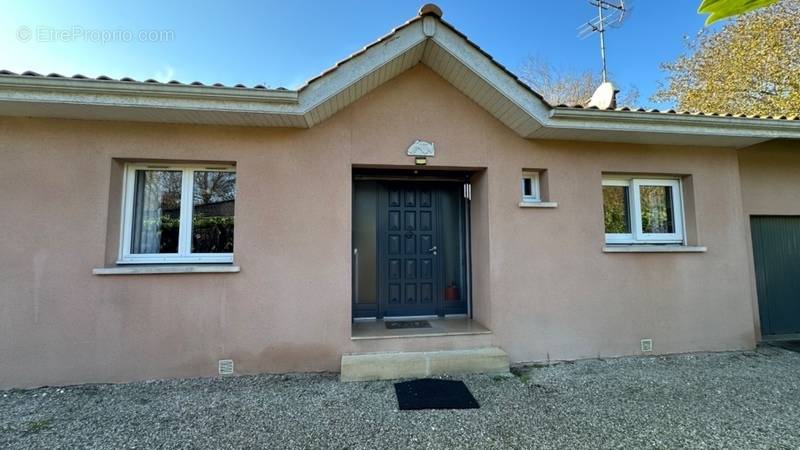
{"type": "Point", "coordinates": [424, 39]}
{"type": "Point", "coordinates": [674, 123]}
{"type": "Point", "coordinates": [92, 87]}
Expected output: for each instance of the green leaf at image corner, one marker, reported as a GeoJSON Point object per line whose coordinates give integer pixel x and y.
{"type": "Point", "coordinates": [721, 9]}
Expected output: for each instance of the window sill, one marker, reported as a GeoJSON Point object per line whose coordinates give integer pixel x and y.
{"type": "Point", "coordinates": [538, 205]}
{"type": "Point", "coordinates": [644, 248]}
{"type": "Point", "coordinates": [166, 269]}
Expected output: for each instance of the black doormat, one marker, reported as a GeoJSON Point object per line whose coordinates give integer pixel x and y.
{"type": "Point", "coordinates": [398, 324]}
{"type": "Point", "coordinates": [430, 393]}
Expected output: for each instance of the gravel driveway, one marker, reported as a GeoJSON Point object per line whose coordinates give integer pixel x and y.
{"type": "Point", "coordinates": [742, 400]}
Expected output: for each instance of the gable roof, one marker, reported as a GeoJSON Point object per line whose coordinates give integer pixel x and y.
{"type": "Point", "coordinates": [424, 39]}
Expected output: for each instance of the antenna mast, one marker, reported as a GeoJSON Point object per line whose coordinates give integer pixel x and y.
{"type": "Point", "coordinates": [613, 17]}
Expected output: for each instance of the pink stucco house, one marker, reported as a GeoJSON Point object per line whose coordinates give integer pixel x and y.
{"type": "Point", "coordinates": [156, 230]}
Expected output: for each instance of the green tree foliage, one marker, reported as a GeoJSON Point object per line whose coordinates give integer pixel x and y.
{"type": "Point", "coordinates": [750, 66]}
{"type": "Point", "coordinates": [721, 9]}
{"type": "Point", "coordinates": [615, 209]}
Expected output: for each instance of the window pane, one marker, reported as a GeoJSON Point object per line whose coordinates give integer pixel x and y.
{"type": "Point", "coordinates": [365, 240]}
{"type": "Point", "coordinates": [156, 211]}
{"type": "Point", "coordinates": [212, 213]}
{"type": "Point", "coordinates": [451, 246]}
{"type": "Point", "coordinates": [615, 209]}
{"type": "Point", "coordinates": [527, 189]}
{"type": "Point", "coordinates": [657, 214]}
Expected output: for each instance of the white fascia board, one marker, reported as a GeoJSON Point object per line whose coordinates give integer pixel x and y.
{"type": "Point", "coordinates": [140, 95]}
{"type": "Point", "coordinates": [157, 96]}
{"type": "Point", "coordinates": [353, 69]}
{"type": "Point", "coordinates": [668, 123]}
{"type": "Point", "coordinates": [85, 86]}
{"type": "Point", "coordinates": [488, 70]}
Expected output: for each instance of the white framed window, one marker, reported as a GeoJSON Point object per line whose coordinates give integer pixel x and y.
{"type": "Point", "coordinates": [643, 210]}
{"type": "Point", "coordinates": [177, 213]}
{"type": "Point", "coordinates": [531, 192]}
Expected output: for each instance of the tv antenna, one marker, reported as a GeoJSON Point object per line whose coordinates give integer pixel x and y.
{"type": "Point", "coordinates": [609, 14]}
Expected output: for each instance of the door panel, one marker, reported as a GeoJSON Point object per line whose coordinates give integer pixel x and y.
{"type": "Point", "coordinates": [394, 244]}
{"type": "Point", "coordinates": [776, 255]}
{"type": "Point", "coordinates": [411, 294]}
{"type": "Point", "coordinates": [394, 293]}
{"type": "Point", "coordinates": [411, 244]}
{"type": "Point", "coordinates": [366, 292]}
{"type": "Point", "coordinates": [394, 269]}
{"type": "Point", "coordinates": [426, 293]}
{"type": "Point", "coordinates": [394, 220]}
{"type": "Point", "coordinates": [411, 269]}
{"type": "Point", "coordinates": [426, 221]}
{"type": "Point", "coordinates": [412, 279]}
{"type": "Point", "coordinates": [427, 268]}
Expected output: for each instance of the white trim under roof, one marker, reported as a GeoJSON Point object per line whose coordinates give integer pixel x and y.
{"type": "Point", "coordinates": [425, 39]}
{"type": "Point", "coordinates": [144, 89]}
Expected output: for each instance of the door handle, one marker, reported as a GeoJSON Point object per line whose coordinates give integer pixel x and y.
{"type": "Point", "coordinates": [433, 250]}
{"type": "Point", "coordinates": [355, 274]}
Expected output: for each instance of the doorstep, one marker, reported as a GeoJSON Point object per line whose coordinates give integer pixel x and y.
{"type": "Point", "coordinates": [450, 326]}
{"type": "Point", "coordinates": [397, 365]}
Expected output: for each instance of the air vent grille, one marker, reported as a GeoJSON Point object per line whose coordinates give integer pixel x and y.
{"type": "Point", "coordinates": [225, 367]}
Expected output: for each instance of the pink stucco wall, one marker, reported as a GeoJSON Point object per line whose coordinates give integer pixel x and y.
{"type": "Point", "coordinates": [770, 178]}
{"type": "Point", "coordinates": [542, 283]}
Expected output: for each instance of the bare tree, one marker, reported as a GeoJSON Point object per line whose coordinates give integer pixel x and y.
{"type": "Point", "coordinates": [567, 88]}
{"type": "Point", "coordinates": [212, 187]}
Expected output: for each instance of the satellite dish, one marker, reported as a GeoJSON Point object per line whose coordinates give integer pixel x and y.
{"type": "Point", "coordinates": [604, 97]}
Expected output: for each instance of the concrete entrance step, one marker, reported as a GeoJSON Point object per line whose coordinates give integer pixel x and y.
{"type": "Point", "coordinates": [394, 365]}
{"type": "Point", "coordinates": [452, 333]}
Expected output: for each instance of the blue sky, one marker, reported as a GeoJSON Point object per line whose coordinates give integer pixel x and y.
{"type": "Point", "coordinates": [283, 44]}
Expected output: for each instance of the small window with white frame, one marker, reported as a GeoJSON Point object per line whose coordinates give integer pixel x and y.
{"type": "Point", "coordinates": [531, 192]}
{"type": "Point", "coordinates": [177, 213]}
{"type": "Point", "coordinates": [643, 210]}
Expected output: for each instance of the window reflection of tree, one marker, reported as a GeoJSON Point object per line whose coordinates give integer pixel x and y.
{"type": "Point", "coordinates": [656, 205]}
{"type": "Point", "coordinates": [157, 211]}
{"type": "Point", "coordinates": [213, 212]}
{"type": "Point", "coordinates": [615, 209]}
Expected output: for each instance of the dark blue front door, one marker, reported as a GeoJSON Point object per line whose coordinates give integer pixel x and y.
{"type": "Point", "coordinates": [410, 249]}
{"type": "Point", "coordinates": [409, 265]}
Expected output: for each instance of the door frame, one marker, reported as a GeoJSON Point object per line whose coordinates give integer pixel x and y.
{"type": "Point", "coordinates": [434, 178]}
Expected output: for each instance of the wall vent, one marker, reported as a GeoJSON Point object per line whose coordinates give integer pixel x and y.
{"type": "Point", "coordinates": [647, 345]}
{"type": "Point", "coordinates": [225, 366]}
